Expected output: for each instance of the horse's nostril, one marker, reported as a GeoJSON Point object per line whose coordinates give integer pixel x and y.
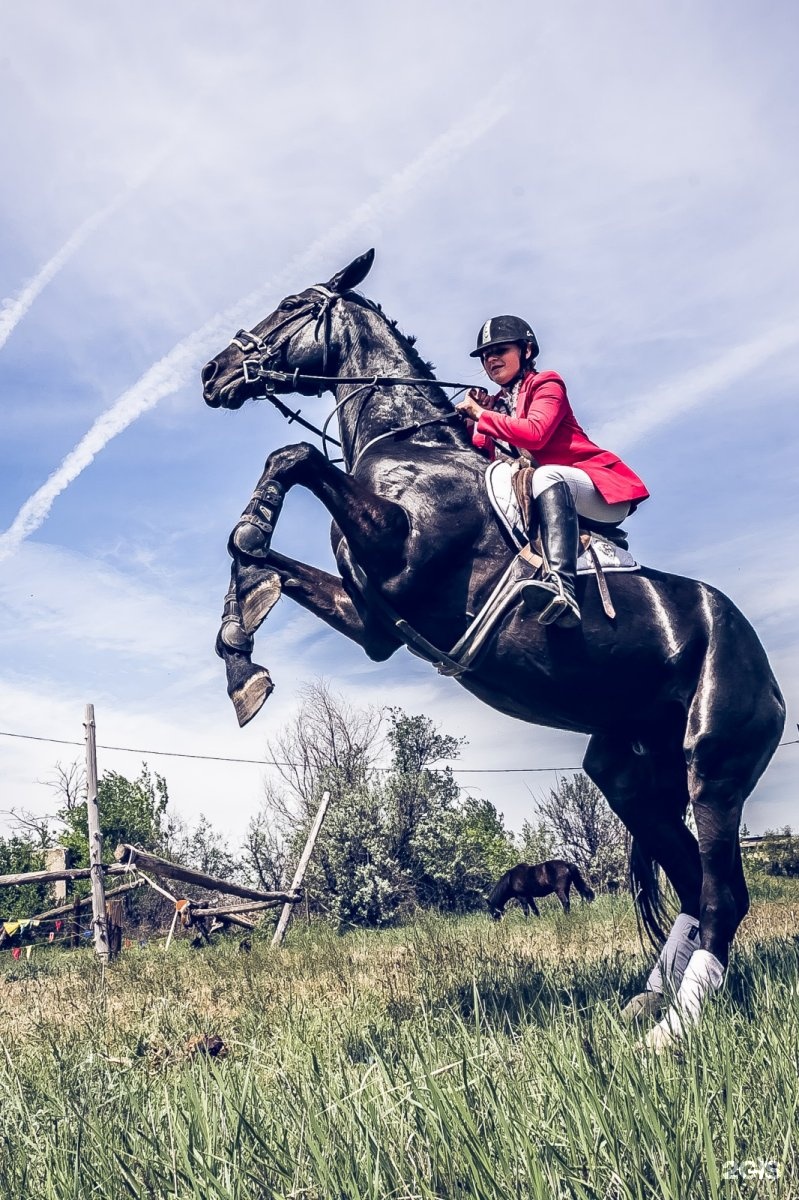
{"type": "Point", "coordinates": [209, 371]}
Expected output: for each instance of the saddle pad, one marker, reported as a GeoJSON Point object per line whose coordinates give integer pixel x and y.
{"type": "Point", "coordinates": [503, 499]}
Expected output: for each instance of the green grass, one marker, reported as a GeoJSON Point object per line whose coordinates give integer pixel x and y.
{"type": "Point", "coordinates": [449, 1058]}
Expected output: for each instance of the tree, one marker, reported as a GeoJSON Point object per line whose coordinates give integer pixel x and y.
{"type": "Point", "coordinates": [414, 790]}
{"type": "Point", "coordinates": [777, 853]}
{"type": "Point", "coordinates": [19, 854]}
{"type": "Point", "coordinates": [264, 850]}
{"type": "Point", "coordinates": [203, 847]}
{"type": "Point", "coordinates": [130, 811]}
{"type": "Point", "coordinates": [329, 746]}
{"type": "Point", "coordinates": [460, 852]}
{"type": "Point", "coordinates": [539, 842]}
{"type": "Point", "coordinates": [393, 840]}
{"type": "Point", "coordinates": [585, 830]}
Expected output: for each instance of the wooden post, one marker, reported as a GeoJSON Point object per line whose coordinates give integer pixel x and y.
{"type": "Point", "coordinates": [95, 842]}
{"type": "Point", "coordinates": [299, 874]}
{"type": "Point", "coordinates": [55, 859]}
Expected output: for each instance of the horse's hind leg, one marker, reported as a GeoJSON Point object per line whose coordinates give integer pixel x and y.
{"type": "Point", "coordinates": [647, 789]}
{"type": "Point", "coordinates": [724, 900]}
{"type": "Point", "coordinates": [645, 783]}
{"type": "Point", "coordinates": [734, 725]}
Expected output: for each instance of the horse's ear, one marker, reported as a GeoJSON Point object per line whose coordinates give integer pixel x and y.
{"type": "Point", "coordinates": [355, 273]}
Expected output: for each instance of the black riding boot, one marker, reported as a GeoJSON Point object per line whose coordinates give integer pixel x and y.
{"type": "Point", "coordinates": [553, 596]}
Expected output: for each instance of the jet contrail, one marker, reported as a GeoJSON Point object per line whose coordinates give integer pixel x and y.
{"type": "Point", "coordinates": [183, 360]}
{"type": "Point", "coordinates": [679, 395]}
{"type": "Point", "coordinates": [14, 308]}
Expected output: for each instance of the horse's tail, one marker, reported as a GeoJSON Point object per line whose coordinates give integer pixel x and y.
{"type": "Point", "coordinates": [645, 886]}
{"type": "Point", "coordinates": [584, 888]}
{"type": "Point", "coordinates": [500, 894]}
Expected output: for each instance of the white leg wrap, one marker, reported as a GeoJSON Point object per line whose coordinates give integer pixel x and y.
{"type": "Point", "coordinates": [703, 974]}
{"type": "Point", "coordinates": [669, 969]}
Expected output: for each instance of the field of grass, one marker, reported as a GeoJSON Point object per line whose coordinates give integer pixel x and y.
{"type": "Point", "coordinates": [448, 1058]}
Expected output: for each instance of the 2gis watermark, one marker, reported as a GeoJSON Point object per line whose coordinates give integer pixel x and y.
{"type": "Point", "coordinates": [765, 1170]}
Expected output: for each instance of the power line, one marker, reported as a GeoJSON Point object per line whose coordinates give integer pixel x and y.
{"type": "Point", "coordinates": [262, 762]}
{"type": "Point", "coordinates": [271, 762]}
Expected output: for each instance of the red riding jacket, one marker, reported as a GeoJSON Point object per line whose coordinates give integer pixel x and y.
{"type": "Point", "coordinates": [545, 425]}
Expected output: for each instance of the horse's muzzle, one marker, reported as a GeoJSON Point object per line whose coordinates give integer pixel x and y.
{"type": "Point", "coordinates": [210, 394]}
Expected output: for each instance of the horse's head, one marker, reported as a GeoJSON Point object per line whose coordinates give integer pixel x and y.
{"type": "Point", "coordinates": [295, 338]}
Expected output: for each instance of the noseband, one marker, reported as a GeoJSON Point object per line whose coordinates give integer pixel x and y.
{"type": "Point", "coordinates": [259, 353]}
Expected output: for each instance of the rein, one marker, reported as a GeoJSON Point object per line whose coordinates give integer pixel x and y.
{"type": "Point", "coordinates": [255, 370]}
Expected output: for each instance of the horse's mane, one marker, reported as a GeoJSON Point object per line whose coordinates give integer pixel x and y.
{"type": "Point", "coordinates": [406, 340]}
{"type": "Point", "coordinates": [437, 396]}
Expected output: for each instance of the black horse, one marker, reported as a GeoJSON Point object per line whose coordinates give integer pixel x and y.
{"type": "Point", "coordinates": [676, 693]}
{"type": "Point", "coordinates": [524, 883]}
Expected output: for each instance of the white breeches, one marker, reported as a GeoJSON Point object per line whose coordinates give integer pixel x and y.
{"type": "Point", "coordinates": [587, 500]}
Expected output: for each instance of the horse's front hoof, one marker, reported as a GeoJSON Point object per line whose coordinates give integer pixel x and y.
{"type": "Point", "coordinates": [642, 1007]}
{"type": "Point", "coordinates": [258, 601]}
{"type": "Point", "coordinates": [249, 697]}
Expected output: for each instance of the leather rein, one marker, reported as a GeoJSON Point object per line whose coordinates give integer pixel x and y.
{"type": "Point", "coordinates": [260, 352]}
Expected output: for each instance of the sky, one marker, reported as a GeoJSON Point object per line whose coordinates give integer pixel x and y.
{"type": "Point", "coordinates": [623, 176]}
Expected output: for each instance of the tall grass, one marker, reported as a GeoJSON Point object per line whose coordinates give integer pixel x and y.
{"type": "Point", "coordinates": [449, 1058]}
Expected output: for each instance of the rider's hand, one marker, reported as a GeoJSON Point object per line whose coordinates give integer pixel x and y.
{"type": "Point", "coordinates": [473, 403]}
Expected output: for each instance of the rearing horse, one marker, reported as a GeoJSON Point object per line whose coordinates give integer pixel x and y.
{"type": "Point", "coordinates": [676, 694]}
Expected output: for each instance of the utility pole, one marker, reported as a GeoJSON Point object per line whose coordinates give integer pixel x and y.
{"type": "Point", "coordinates": [95, 841]}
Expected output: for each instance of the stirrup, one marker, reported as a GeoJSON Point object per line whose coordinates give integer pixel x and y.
{"type": "Point", "coordinates": [562, 608]}
{"type": "Point", "coordinates": [538, 594]}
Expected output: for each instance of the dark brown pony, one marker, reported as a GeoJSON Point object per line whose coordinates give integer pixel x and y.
{"type": "Point", "coordinates": [524, 882]}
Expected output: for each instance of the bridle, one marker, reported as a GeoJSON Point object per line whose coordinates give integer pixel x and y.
{"type": "Point", "coordinates": [260, 353]}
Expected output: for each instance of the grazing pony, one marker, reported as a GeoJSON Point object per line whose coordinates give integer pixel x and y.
{"type": "Point", "coordinates": [524, 882]}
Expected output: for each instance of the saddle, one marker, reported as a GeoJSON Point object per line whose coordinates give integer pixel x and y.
{"type": "Point", "coordinates": [509, 489]}
{"type": "Point", "coordinates": [604, 547]}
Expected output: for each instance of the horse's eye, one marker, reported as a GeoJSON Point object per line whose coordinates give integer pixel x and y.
{"type": "Point", "coordinates": [289, 303]}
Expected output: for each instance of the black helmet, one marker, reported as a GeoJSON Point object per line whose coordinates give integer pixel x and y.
{"type": "Point", "coordinates": [503, 329]}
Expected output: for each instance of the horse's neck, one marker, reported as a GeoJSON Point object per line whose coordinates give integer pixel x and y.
{"type": "Point", "coordinates": [371, 347]}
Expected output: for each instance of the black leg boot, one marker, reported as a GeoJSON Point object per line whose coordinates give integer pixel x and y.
{"type": "Point", "coordinates": [553, 597]}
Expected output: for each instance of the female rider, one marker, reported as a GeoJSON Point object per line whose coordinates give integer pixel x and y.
{"type": "Point", "coordinates": [572, 474]}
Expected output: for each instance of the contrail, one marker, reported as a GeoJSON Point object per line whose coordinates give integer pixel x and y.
{"type": "Point", "coordinates": [679, 395]}
{"type": "Point", "coordinates": [14, 308]}
{"type": "Point", "coordinates": [180, 364]}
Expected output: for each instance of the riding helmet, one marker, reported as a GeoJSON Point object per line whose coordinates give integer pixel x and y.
{"type": "Point", "coordinates": [503, 329]}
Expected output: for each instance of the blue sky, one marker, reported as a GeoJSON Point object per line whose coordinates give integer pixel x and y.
{"type": "Point", "coordinates": [625, 177]}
